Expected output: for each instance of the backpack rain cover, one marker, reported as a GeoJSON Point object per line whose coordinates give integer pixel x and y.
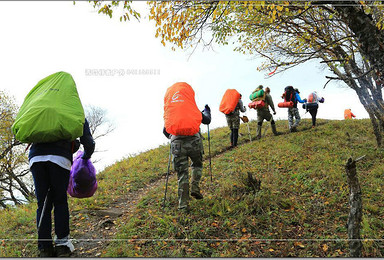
{"type": "Point", "coordinates": [51, 111]}
{"type": "Point", "coordinates": [312, 98]}
{"type": "Point", "coordinates": [229, 101]}
{"type": "Point", "coordinates": [181, 114]}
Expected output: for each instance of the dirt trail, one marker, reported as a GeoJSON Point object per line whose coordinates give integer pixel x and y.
{"type": "Point", "coordinates": [92, 240]}
{"type": "Point", "coordinates": [101, 229]}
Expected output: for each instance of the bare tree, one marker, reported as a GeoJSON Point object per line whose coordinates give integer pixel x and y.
{"type": "Point", "coordinates": [15, 182]}
{"type": "Point", "coordinates": [99, 124]}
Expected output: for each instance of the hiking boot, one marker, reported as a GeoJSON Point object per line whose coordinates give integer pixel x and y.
{"type": "Point", "coordinates": [258, 132]}
{"type": "Point", "coordinates": [274, 131]}
{"type": "Point", "coordinates": [293, 129]}
{"type": "Point", "coordinates": [197, 195]}
{"type": "Point", "coordinates": [47, 252]}
{"type": "Point", "coordinates": [62, 251]}
{"type": "Point", "coordinates": [185, 209]}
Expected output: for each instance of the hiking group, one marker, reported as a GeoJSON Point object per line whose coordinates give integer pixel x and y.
{"type": "Point", "coordinates": [52, 120]}
{"type": "Point", "coordinates": [182, 120]}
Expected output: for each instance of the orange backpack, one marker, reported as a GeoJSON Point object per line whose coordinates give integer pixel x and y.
{"type": "Point", "coordinates": [229, 101]}
{"type": "Point", "coordinates": [181, 114]}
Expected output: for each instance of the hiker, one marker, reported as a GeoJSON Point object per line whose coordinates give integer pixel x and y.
{"type": "Point", "coordinates": [231, 105]}
{"type": "Point", "coordinates": [51, 118]}
{"type": "Point", "coordinates": [182, 121]}
{"type": "Point", "coordinates": [313, 105]}
{"type": "Point", "coordinates": [50, 164]}
{"type": "Point", "coordinates": [264, 113]}
{"type": "Point", "coordinates": [291, 94]}
{"type": "Point", "coordinates": [348, 114]}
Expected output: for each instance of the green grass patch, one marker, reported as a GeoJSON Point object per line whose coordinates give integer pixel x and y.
{"type": "Point", "coordinates": [301, 208]}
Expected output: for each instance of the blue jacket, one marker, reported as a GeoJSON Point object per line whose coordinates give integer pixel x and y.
{"type": "Point", "coordinates": [65, 148]}
{"type": "Point", "coordinates": [298, 99]}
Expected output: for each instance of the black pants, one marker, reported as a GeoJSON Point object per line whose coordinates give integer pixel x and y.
{"type": "Point", "coordinates": [48, 175]}
{"type": "Point", "coordinates": [234, 136]}
{"type": "Point", "coordinates": [313, 113]}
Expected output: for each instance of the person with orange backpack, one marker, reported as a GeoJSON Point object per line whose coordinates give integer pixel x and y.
{"type": "Point", "coordinates": [312, 106]}
{"type": "Point", "coordinates": [348, 114]}
{"type": "Point", "coordinates": [231, 105]}
{"type": "Point", "coordinates": [182, 120]}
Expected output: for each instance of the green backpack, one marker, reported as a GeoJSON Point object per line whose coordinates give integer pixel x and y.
{"type": "Point", "coordinates": [256, 94]}
{"type": "Point", "coordinates": [51, 111]}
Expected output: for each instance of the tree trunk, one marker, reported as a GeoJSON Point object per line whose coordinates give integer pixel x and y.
{"type": "Point", "coordinates": [355, 214]}
{"type": "Point", "coordinates": [368, 104]}
{"type": "Point", "coordinates": [370, 38]}
{"type": "Point", "coordinates": [3, 205]}
{"type": "Point", "coordinates": [376, 128]}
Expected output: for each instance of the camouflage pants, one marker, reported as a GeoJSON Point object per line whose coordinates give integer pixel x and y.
{"type": "Point", "coordinates": [182, 149]}
{"type": "Point", "coordinates": [293, 112]}
{"type": "Point", "coordinates": [263, 114]}
{"type": "Point", "coordinates": [233, 121]}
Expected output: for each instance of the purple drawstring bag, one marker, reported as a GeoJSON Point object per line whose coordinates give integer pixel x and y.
{"type": "Point", "coordinates": [82, 179]}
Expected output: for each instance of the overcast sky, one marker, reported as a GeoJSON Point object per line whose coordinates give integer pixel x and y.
{"type": "Point", "coordinates": [41, 38]}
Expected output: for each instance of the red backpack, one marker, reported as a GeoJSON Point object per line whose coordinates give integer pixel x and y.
{"type": "Point", "coordinates": [289, 98]}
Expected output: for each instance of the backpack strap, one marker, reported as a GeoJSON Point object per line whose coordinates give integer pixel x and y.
{"type": "Point", "coordinates": [26, 149]}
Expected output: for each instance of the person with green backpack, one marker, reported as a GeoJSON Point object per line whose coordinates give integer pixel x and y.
{"type": "Point", "coordinates": [264, 113]}
{"type": "Point", "coordinates": [50, 164]}
{"type": "Point", "coordinates": [51, 118]}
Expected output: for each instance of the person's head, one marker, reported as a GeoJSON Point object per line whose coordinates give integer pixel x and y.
{"type": "Point", "coordinates": [267, 90]}
{"type": "Point", "coordinates": [260, 87]}
{"type": "Point", "coordinates": [297, 90]}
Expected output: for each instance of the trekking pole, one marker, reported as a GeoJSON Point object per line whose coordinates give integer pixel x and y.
{"type": "Point", "coordinates": [166, 182]}
{"type": "Point", "coordinates": [249, 132]}
{"type": "Point", "coordinates": [265, 131]}
{"type": "Point", "coordinates": [209, 150]}
{"type": "Point", "coordinates": [306, 111]}
{"type": "Point", "coordinates": [43, 211]}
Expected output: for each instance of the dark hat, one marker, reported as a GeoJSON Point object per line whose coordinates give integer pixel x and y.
{"type": "Point", "coordinates": [297, 90]}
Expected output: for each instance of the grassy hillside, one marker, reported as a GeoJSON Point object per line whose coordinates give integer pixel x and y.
{"type": "Point", "coordinates": [301, 209]}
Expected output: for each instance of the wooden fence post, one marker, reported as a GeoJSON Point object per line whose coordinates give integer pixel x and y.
{"type": "Point", "coordinates": [355, 213]}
